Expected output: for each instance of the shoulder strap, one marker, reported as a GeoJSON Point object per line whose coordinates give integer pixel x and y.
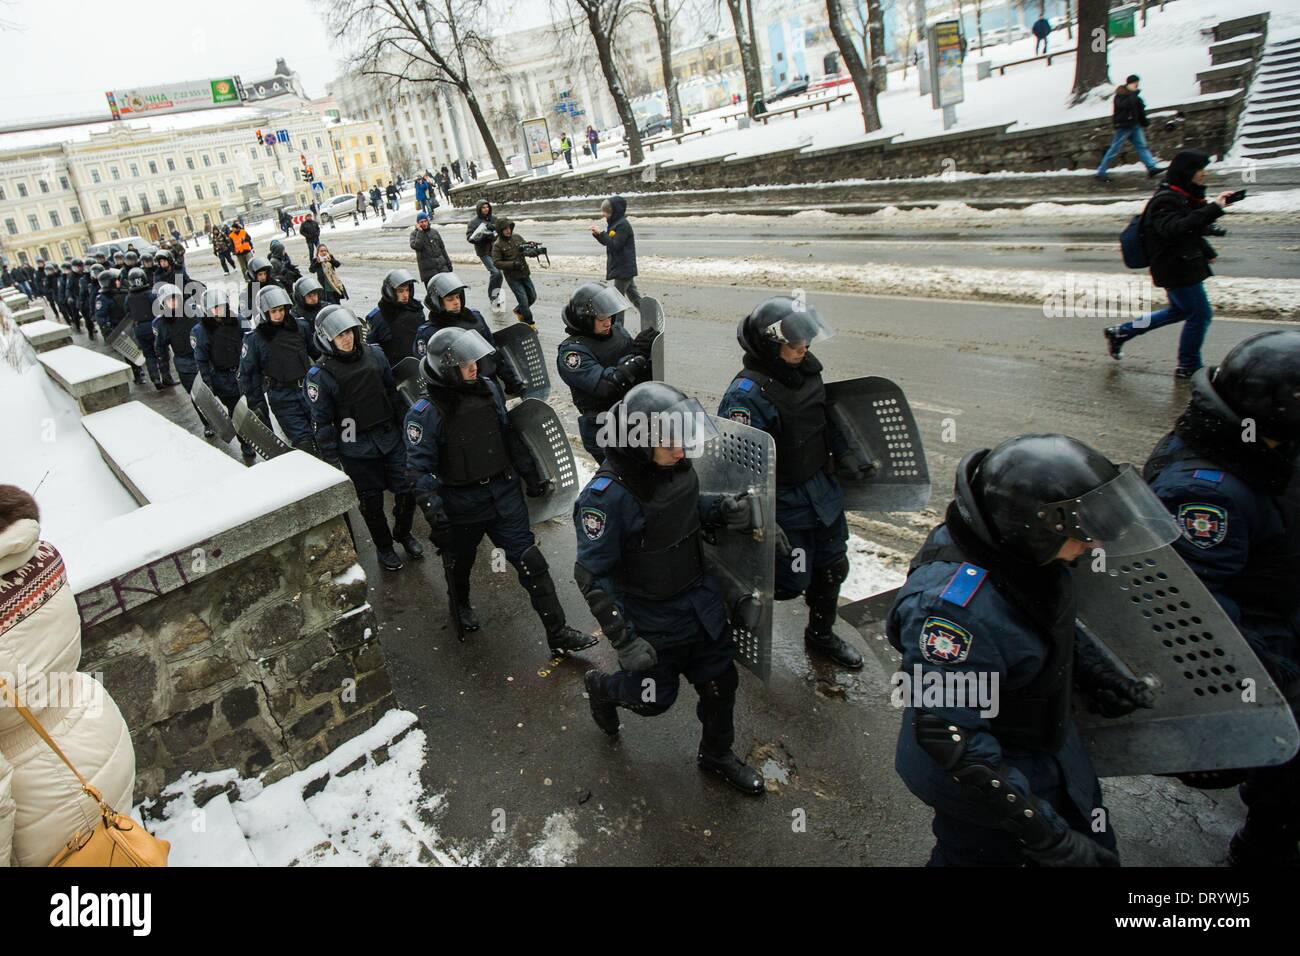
{"type": "Point", "coordinates": [35, 724]}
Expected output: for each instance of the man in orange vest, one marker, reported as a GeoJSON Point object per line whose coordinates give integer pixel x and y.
{"type": "Point", "coordinates": [242, 245]}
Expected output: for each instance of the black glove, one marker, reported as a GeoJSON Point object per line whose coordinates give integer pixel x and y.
{"type": "Point", "coordinates": [783, 547]}
{"type": "Point", "coordinates": [620, 377]}
{"type": "Point", "coordinates": [733, 510]}
{"type": "Point", "coordinates": [636, 366]}
{"type": "Point", "coordinates": [514, 387]}
{"type": "Point", "coordinates": [536, 487]}
{"type": "Point", "coordinates": [439, 523]}
{"type": "Point", "coordinates": [1109, 692]}
{"type": "Point", "coordinates": [644, 340]}
{"type": "Point", "coordinates": [852, 466]}
{"type": "Point", "coordinates": [1072, 849]}
{"type": "Point", "coordinates": [636, 654]}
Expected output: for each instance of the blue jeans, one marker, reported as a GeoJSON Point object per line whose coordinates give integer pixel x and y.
{"type": "Point", "coordinates": [1187, 304]}
{"type": "Point", "coordinates": [495, 276]}
{"type": "Point", "coordinates": [525, 295]}
{"type": "Point", "coordinates": [1122, 135]}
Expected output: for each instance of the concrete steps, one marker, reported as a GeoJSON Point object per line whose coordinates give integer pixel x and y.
{"type": "Point", "coordinates": [1270, 122]}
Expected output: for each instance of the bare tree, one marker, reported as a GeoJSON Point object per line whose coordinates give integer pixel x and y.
{"type": "Point", "coordinates": [664, 13]}
{"type": "Point", "coordinates": [864, 80]}
{"type": "Point", "coordinates": [749, 67]}
{"type": "Point", "coordinates": [1091, 70]}
{"type": "Point", "coordinates": [603, 18]}
{"type": "Point", "coordinates": [979, 25]}
{"type": "Point", "coordinates": [425, 43]}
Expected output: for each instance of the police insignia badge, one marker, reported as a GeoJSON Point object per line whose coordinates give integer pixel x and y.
{"type": "Point", "coordinates": [738, 413]}
{"type": "Point", "coordinates": [313, 391]}
{"type": "Point", "coordinates": [572, 359]}
{"type": "Point", "coordinates": [1204, 525]}
{"type": "Point", "coordinates": [593, 522]}
{"type": "Point", "coordinates": [943, 642]}
{"type": "Point", "coordinates": [414, 432]}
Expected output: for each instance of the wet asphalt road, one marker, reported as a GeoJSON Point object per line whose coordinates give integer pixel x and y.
{"type": "Point", "coordinates": [528, 777]}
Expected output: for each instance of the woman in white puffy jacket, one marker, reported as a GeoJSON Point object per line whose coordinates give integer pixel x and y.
{"type": "Point", "coordinates": [42, 806]}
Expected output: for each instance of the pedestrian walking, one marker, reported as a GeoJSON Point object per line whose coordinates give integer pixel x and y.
{"type": "Point", "coordinates": [593, 138]}
{"type": "Point", "coordinates": [1174, 225]}
{"type": "Point", "coordinates": [430, 251]}
{"type": "Point", "coordinates": [310, 230]}
{"type": "Point", "coordinates": [508, 254]}
{"type": "Point", "coordinates": [1130, 119]}
{"type": "Point", "coordinates": [566, 147]}
{"type": "Point", "coordinates": [481, 232]}
{"type": "Point", "coordinates": [361, 204]}
{"type": "Point", "coordinates": [620, 248]}
{"type": "Point", "coordinates": [323, 267]}
{"type": "Point", "coordinates": [1041, 29]}
{"type": "Point", "coordinates": [241, 245]}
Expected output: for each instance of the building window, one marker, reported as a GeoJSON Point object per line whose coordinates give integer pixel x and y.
{"type": "Point", "coordinates": [230, 185]}
{"type": "Point", "coordinates": [207, 160]}
{"type": "Point", "coordinates": [212, 188]}
{"type": "Point", "coordinates": [85, 246]}
{"type": "Point", "coordinates": [304, 144]}
{"type": "Point", "coordinates": [33, 223]}
{"type": "Point", "coordinates": [319, 145]}
{"type": "Point", "coordinates": [11, 227]}
{"type": "Point", "coordinates": [221, 157]}
{"type": "Point", "coordinates": [171, 225]}
{"type": "Point", "coordinates": [22, 257]}
{"type": "Point", "coordinates": [114, 234]}
{"type": "Point", "coordinates": [135, 170]}
{"type": "Point", "coordinates": [162, 197]}
{"type": "Point", "coordinates": [94, 175]}
{"type": "Point", "coordinates": [180, 196]}
{"type": "Point", "coordinates": [198, 191]}
{"type": "Point", "coordinates": [189, 162]}
{"type": "Point", "coordinates": [270, 153]}
{"type": "Point", "coordinates": [171, 165]}
{"type": "Point", "coordinates": [124, 203]}
{"type": "Point", "coordinates": [144, 202]}
{"type": "Point", "coordinates": [54, 218]}
{"type": "Point", "coordinates": [325, 168]}
{"type": "Point", "coordinates": [374, 160]}
{"type": "Point", "coordinates": [104, 208]}
{"type": "Point", "coordinates": [261, 179]}
{"type": "Point", "coordinates": [44, 253]}
{"type": "Point", "coordinates": [252, 153]}
{"type": "Point", "coordinates": [153, 168]}
{"type": "Point", "coordinates": [43, 185]}
{"type": "Point", "coordinates": [2, 192]}
{"type": "Point", "coordinates": [63, 183]}
{"type": "Point", "coordinates": [135, 230]}
{"type": "Point", "coordinates": [76, 214]}
{"type": "Point", "coordinates": [67, 250]}
{"type": "Point", "coordinates": [370, 141]}
{"type": "Point", "coordinates": [22, 189]}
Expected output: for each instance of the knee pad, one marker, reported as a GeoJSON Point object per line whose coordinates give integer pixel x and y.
{"type": "Point", "coordinates": [722, 687]}
{"type": "Point", "coordinates": [532, 562]}
{"type": "Point", "coordinates": [833, 574]}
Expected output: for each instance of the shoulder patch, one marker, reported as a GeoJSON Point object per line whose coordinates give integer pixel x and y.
{"type": "Point", "coordinates": [572, 359]}
{"type": "Point", "coordinates": [313, 391]}
{"type": "Point", "coordinates": [414, 432]}
{"type": "Point", "coordinates": [421, 405]}
{"type": "Point", "coordinates": [243, 349]}
{"type": "Point", "coordinates": [1207, 474]}
{"type": "Point", "coordinates": [963, 584]}
{"type": "Point", "coordinates": [593, 523]}
{"type": "Point", "coordinates": [600, 484]}
{"type": "Point", "coordinates": [738, 413]}
{"type": "Point", "coordinates": [943, 642]}
{"type": "Point", "coordinates": [1203, 524]}
{"type": "Point", "coordinates": [746, 384]}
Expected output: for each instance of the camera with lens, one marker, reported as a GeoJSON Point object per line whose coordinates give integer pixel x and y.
{"type": "Point", "coordinates": [535, 250]}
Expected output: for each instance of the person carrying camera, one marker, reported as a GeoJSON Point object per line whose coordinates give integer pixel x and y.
{"type": "Point", "coordinates": [509, 252]}
{"type": "Point", "coordinates": [1175, 223]}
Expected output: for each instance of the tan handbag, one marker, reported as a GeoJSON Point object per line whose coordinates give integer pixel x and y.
{"type": "Point", "coordinates": [116, 839]}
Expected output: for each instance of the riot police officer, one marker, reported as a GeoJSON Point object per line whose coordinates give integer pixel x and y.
{"type": "Point", "coordinates": [448, 309]}
{"type": "Point", "coordinates": [467, 462]}
{"type": "Point", "coordinates": [73, 293]}
{"type": "Point", "coordinates": [259, 277]}
{"type": "Point", "coordinates": [988, 609]}
{"type": "Point", "coordinates": [641, 568]}
{"type": "Point", "coordinates": [780, 390]}
{"type": "Point", "coordinates": [283, 270]}
{"type": "Point", "coordinates": [63, 281]}
{"type": "Point", "coordinates": [110, 308]}
{"type": "Point", "coordinates": [393, 323]}
{"type": "Point", "coordinates": [89, 293]}
{"type": "Point", "coordinates": [130, 260]}
{"type": "Point", "coordinates": [174, 336]}
{"type": "Point", "coordinates": [1228, 474]}
{"type": "Point", "coordinates": [599, 360]}
{"type": "Point", "coordinates": [149, 265]}
{"type": "Point", "coordinates": [38, 279]}
{"type": "Point", "coordinates": [218, 343]}
{"type": "Point", "coordinates": [273, 365]}
{"type": "Point", "coordinates": [358, 412]}
{"type": "Point", "coordinates": [166, 270]}
{"type": "Point", "coordinates": [140, 307]}
{"type": "Point", "coordinates": [307, 302]}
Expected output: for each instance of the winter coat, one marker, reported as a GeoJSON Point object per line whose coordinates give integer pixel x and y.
{"type": "Point", "coordinates": [508, 254]}
{"type": "Point", "coordinates": [1129, 109]}
{"type": "Point", "coordinates": [309, 230]}
{"type": "Point", "coordinates": [1173, 227]}
{"type": "Point", "coordinates": [41, 805]}
{"type": "Point", "coordinates": [430, 253]}
{"type": "Point", "coordinates": [240, 242]}
{"type": "Point", "coordinates": [619, 242]}
{"type": "Point", "coordinates": [1042, 27]}
{"type": "Point", "coordinates": [482, 247]}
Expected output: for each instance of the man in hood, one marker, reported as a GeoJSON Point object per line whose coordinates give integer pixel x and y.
{"type": "Point", "coordinates": [620, 248]}
{"type": "Point", "coordinates": [481, 231]}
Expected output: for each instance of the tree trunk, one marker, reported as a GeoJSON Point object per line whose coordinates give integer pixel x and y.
{"type": "Point", "coordinates": [748, 61]}
{"type": "Point", "coordinates": [1144, 12]}
{"type": "Point", "coordinates": [605, 53]}
{"type": "Point", "coordinates": [484, 131]}
{"type": "Point", "coordinates": [1069, 19]}
{"type": "Point", "coordinates": [664, 30]}
{"type": "Point", "coordinates": [876, 34]}
{"type": "Point", "coordinates": [1090, 70]}
{"type": "Point", "coordinates": [979, 24]}
{"type": "Point", "coordinates": [862, 81]}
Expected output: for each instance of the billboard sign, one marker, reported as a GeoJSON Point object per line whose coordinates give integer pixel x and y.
{"type": "Point", "coordinates": [537, 142]}
{"type": "Point", "coordinates": [174, 97]}
{"type": "Point", "coordinates": [945, 55]}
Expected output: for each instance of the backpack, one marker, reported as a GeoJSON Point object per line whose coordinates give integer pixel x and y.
{"type": "Point", "coordinates": [1132, 243]}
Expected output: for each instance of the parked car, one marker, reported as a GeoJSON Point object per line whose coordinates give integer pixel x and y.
{"type": "Point", "coordinates": [658, 123]}
{"type": "Point", "coordinates": [337, 207]}
{"type": "Point", "coordinates": [114, 245]}
{"type": "Point", "coordinates": [793, 88]}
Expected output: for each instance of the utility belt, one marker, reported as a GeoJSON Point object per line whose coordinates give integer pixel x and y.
{"type": "Point", "coordinates": [269, 383]}
{"type": "Point", "coordinates": [507, 473]}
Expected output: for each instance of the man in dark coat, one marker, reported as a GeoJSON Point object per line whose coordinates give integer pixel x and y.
{"type": "Point", "coordinates": [1130, 119]}
{"type": "Point", "coordinates": [310, 230]}
{"type": "Point", "coordinates": [430, 252]}
{"type": "Point", "coordinates": [620, 248]}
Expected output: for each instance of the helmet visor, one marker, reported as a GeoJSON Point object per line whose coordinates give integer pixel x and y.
{"type": "Point", "coordinates": [468, 347]}
{"type": "Point", "coordinates": [1122, 517]}
{"type": "Point", "coordinates": [683, 424]}
{"type": "Point", "coordinates": [800, 328]}
{"type": "Point", "coordinates": [608, 301]}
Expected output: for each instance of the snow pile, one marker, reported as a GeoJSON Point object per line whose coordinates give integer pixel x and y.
{"type": "Point", "coordinates": [375, 815]}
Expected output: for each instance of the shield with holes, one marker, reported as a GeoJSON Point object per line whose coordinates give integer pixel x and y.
{"type": "Point", "coordinates": [407, 374]}
{"type": "Point", "coordinates": [742, 459]}
{"type": "Point", "coordinates": [542, 433]}
{"type": "Point", "coordinates": [1216, 707]}
{"type": "Point", "coordinates": [211, 410]}
{"type": "Point", "coordinates": [873, 416]}
{"type": "Point", "coordinates": [519, 346]}
{"type": "Point", "coordinates": [257, 432]}
{"type": "Point", "coordinates": [122, 341]}
{"type": "Point", "coordinates": [652, 318]}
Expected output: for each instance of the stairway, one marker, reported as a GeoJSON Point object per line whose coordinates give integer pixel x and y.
{"type": "Point", "coordinates": [1270, 124]}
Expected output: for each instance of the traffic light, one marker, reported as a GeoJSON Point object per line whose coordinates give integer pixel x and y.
{"type": "Point", "coordinates": [259, 138]}
{"type": "Point", "coordinates": [310, 174]}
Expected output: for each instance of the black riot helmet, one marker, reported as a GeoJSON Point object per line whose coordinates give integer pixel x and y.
{"type": "Point", "coordinates": [51, 269]}
{"type": "Point", "coordinates": [780, 320]}
{"type": "Point", "coordinates": [117, 254]}
{"type": "Point", "coordinates": [95, 270]}
{"type": "Point", "coordinates": [1260, 380]}
{"type": "Point", "coordinates": [334, 320]}
{"type": "Point", "coordinates": [132, 258]}
{"type": "Point", "coordinates": [304, 287]}
{"type": "Point", "coordinates": [593, 300]}
{"type": "Point", "coordinates": [259, 264]}
{"type": "Point", "coordinates": [107, 279]}
{"type": "Point", "coordinates": [394, 280]}
{"type": "Point", "coordinates": [216, 304]}
{"type": "Point", "coordinates": [147, 259]}
{"type": "Point", "coordinates": [448, 350]}
{"type": "Point", "coordinates": [443, 285]}
{"type": "Point", "coordinates": [654, 414]}
{"type": "Point", "coordinates": [272, 297]}
{"type": "Point", "coordinates": [136, 280]}
{"type": "Point", "coordinates": [171, 303]}
{"type": "Point", "coordinates": [1032, 493]}
{"type": "Point", "coordinates": [161, 256]}
{"type": "Point", "coordinates": [78, 263]}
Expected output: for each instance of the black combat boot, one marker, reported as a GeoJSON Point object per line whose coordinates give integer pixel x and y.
{"type": "Point", "coordinates": [403, 515]}
{"type": "Point", "coordinates": [603, 710]}
{"type": "Point", "coordinates": [372, 512]}
{"type": "Point", "coordinates": [465, 611]}
{"type": "Point", "coordinates": [822, 598]}
{"type": "Point", "coordinates": [535, 576]}
{"type": "Point", "coordinates": [735, 771]}
{"type": "Point", "coordinates": [715, 709]}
